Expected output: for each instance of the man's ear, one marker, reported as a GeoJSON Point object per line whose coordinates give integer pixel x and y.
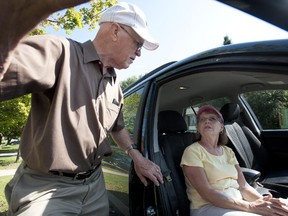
{"type": "Point", "coordinates": [115, 31]}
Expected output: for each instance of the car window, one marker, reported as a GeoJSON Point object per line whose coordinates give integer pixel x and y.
{"type": "Point", "coordinates": [270, 107]}
{"type": "Point", "coordinates": [130, 109]}
{"type": "Point", "coordinates": [190, 112]}
{"type": "Point", "coordinates": [116, 167]}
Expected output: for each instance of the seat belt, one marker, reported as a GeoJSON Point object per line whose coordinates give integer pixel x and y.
{"type": "Point", "coordinates": [168, 185]}
{"type": "Point", "coordinates": [235, 137]}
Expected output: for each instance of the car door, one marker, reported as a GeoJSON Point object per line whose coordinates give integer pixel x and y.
{"type": "Point", "coordinates": [269, 113]}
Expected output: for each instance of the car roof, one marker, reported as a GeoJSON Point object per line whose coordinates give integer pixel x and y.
{"type": "Point", "coordinates": [226, 71]}
{"type": "Point", "coordinates": [271, 11]}
{"type": "Point", "coordinates": [276, 47]}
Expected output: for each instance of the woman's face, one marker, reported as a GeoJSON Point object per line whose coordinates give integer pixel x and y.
{"type": "Point", "coordinates": [209, 125]}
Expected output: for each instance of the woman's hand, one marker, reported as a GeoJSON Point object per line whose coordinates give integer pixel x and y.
{"type": "Point", "coordinates": [269, 206]}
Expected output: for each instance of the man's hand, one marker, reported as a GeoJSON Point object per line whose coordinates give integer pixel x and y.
{"type": "Point", "coordinates": [146, 169]}
{"type": "Point", "coordinates": [19, 17]}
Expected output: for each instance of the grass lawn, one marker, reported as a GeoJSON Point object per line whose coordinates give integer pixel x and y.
{"type": "Point", "coordinates": [3, 204]}
{"type": "Point", "coordinates": [9, 148]}
{"type": "Point", "coordinates": [6, 163]}
{"type": "Point", "coordinates": [9, 162]}
{"type": "Point", "coordinates": [116, 184]}
{"type": "Point", "coordinates": [112, 184]}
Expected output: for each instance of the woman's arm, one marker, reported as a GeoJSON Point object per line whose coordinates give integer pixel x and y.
{"type": "Point", "coordinates": [262, 205]}
{"type": "Point", "coordinates": [198, 179]}
{"type": "Point", "coordinates": [247, 191]}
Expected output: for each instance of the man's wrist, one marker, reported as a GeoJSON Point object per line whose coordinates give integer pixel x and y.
{"type": "Point", "coordinates": [130, 147]}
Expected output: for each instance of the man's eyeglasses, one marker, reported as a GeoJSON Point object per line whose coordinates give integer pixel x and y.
{"type": "Point", "coordinates": [138, 44]}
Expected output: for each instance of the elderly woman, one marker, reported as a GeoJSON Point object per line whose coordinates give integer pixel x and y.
{"type": "Point", "coordinates": [215, 183]}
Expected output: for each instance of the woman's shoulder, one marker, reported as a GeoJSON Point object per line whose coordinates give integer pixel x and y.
{"type": "Point", "coordinates": [191, 154]}
{"type": "Point", "coordinates": [194, 147]}
{"type": "Point", "coordinates": [228, 150]}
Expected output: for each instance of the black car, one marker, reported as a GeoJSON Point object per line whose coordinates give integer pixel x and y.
{"type": "Point", "coordinates": [248, 82]}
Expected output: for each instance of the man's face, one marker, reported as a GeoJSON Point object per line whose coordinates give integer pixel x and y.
{"type": "Point", "coordinates": [129, 47]}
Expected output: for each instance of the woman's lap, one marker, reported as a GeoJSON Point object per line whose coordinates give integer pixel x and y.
{"type": "Point", "coordinates": [210, 210]}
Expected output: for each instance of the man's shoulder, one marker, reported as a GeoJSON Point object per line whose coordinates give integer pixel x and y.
{"type": "Point", "coordinates": [47, 38]}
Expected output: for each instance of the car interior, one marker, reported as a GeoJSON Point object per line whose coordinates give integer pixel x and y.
{"type": "Point", "coordinates": [249, 148]}
{"type": "Point", "coordinates": [174, 135]}
{"type": "Point", "coordinates": [173, 139]}
{"type": "Point", "coordinates": [219, 77]}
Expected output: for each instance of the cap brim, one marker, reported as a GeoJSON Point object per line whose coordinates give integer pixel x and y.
{"type": "Point", "coordinates": [149, 42]}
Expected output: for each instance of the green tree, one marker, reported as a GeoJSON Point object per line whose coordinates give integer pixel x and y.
{"type": "Point", "coordinates": [273, 102]}
{"type": "Point", "coordinates": [131, 105]}
{"type": "Point", "coordinates": [13, 115]}
{"type": "Point", "coordinates": [227, 40]}
{"type": "Point", "coordinates": [84, 15]}
{"type": "Point", "coordinates": [124, 84]}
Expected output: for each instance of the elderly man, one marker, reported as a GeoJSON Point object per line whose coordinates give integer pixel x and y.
{"type": "Point", "coordinates": [76, 103]}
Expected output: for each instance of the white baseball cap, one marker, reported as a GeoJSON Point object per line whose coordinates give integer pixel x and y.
{"type": "Point", "coordinates": [130, 15]}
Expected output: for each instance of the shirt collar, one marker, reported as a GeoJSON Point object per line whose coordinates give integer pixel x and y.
{"type": "Point", "coordinates": [90, 54]}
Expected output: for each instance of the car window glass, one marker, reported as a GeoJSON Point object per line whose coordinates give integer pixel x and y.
{"type": "Point", "coordinates": [270, 107]}
{"type": "Point", "coordinates": [189, 112]}
{"type": "Point", "coordinates": [131, 105]}
{"type": "Point", "coordinates": [116, 166]}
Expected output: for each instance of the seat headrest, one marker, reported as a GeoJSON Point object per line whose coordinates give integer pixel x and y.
{"type": "Point", "coordinates": [230, 112]}
{"type": "Point", "coordinates": [171, 121]}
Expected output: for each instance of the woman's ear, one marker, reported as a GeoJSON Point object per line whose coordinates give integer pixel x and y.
{"type": "Point", "coordinates": [222, 128]}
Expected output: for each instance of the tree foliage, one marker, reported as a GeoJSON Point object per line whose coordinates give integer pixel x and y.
{"type": "Point", "coordinates": [227, 40]}
{"type": "Point", "coordinates": [13, 115]}
{"type": "Point", "coordinates": [268, 106]}
{"type": "Point", "coordinates": [77, 17]}
{"type": "Point", "coordinates": [124, 84]}
{"type": "Point", "coordinates": [130, 110]}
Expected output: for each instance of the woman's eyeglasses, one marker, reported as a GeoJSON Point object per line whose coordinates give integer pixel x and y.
{"type": "Point", "coordinates": [212, 119]}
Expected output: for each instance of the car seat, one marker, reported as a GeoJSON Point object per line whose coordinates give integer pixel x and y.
{"type": "Point", "coordinates": [249, 151]}
{"type": "Point", "coordinates": [173, 139]}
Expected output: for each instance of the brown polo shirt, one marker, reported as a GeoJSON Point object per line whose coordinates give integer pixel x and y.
{"type": "Point", "coordinates": [74, 106]}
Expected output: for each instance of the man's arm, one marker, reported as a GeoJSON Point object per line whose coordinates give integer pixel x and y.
{"type": "Point", "coordinates": [19, 17]}
{"type": "Point", "coordinates": [143, 167]}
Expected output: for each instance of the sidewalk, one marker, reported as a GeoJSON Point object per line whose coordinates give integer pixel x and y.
{"type": "Point", "coordinates": [7, 172]}
{"type": "Point", "coordinates": [8, 154]}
